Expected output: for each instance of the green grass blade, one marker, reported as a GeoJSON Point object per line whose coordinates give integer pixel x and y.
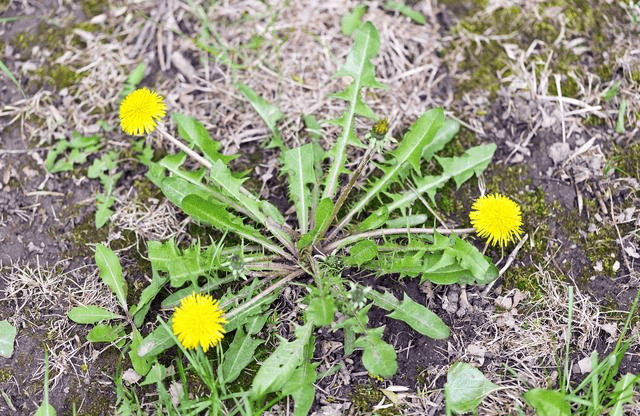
{"type": "Point", "coordinates": [13, 79]}
{"type": "Point", "coordinates": [45, 408]}
{"type": "Point", "coordinates": [623, 393]}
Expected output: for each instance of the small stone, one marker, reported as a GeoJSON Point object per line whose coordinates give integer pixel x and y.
{"type": "Point", "coordinates": [503, 302]}
{"type": "Point", "coordinates": [616, 266]}
{"type": "Point", "coordinates": [559, 152]}
{"type": "Point", "coordinates": [598, 266]}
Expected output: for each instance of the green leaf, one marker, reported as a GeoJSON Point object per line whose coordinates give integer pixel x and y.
{"type": "Point", "coordinates": [612, 91]}
{"type": "Point", "coordinates": [141, 364]}
{"type": "Point", "coordinates": [111, 273]}
{"type": "Point", "coordinates": [322, 217]}
{"type": "Point", "coordinates": [238, 355]}
{"type": "Point", "coordinates": [182, 265]}
{"type": "Point", "coordinates": [255, 324]}
{"type": "Point", "coordinates": [247, 315]}
{"type": "Point", "coordinates": [269, 113]}
{"type": "Point", "coordinates": [278, 368]}
{"type": "Point", "coordinates": [474, 160]}
{"type": "Point", "coordinates": [7, 337]}
{"type": "Point", "coordinates": [150, 292]}
{"type": "Point", "coordinates": [407, 221]}
{"type": "Point", "coordinates": [358, 66]}
{"type": "Point", "coordinates": [90, 314]}
{"type": "Point", "coordinates": [361, 252]}
{"type": "Point", "coordinates": [621, 112]}
{"type": "Point", "coordinates": [446, 260]}
{"type": "Point", "coordinates": [321, 310]}
{"type": "Point", "coordinates": [481, 267]}
{"type": "Point", "coordinates": [408, 152]}
{"type": "Point", "coordinates": [301, 388]}
{"type": "Point", "coordinates": [415, 315]}
{"type": "Point", "coordinates": [299, 164]}
{"type": "Point", "coordinates": [176, 188]}
{"type": "Point", "coordinates": [157, 373]}
{"type": "Point", "coordinates": [194, 132]}
{"type": "Point", "coordinates": [217, 216]}
{"type": "Point", "coordinates": [548, 402]}
{"type": "Point", "coordinates": [261, 211]}
{"type": "Point", "coordinates": [312, 127]}
{"type": "Point", "coordinates": [135, 77]}
{"type": "Point", "coordinates": [623, 393]}
{"type": "Point", "coordinates": [447, 131]}
{"type": "Point", "coordinates": [376, 220]}
{"type": "Point", "coordinates": [156, 342]}
{"type": "Point", "coordinates": [378, 357]}
{"type": "Point", "coordinates": [45, 409]}
{"type": "Point", "coordinates": [81, 147]}
{"type": "Point", "coordinates": [103, 209]}
{"type": "Point", "coordinates": [465, 388]}
{"type": "Point", "coordinates": [351, 20]}
{"type": "Point", "coordinates": [105, 333]}
{"type": "Point", "coordinates": [407, 11]}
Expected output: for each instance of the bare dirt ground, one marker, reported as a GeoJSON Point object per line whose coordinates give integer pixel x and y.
{"type": "Point", "coordinates": [545, 81]}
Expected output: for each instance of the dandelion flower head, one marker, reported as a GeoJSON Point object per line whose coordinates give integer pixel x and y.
{"type": "Point", "coordinates": [140, 111]}
{"type": "Point", "coordinates": [497, 218]}
{"type": "Point", "coordinates": [198, 321]}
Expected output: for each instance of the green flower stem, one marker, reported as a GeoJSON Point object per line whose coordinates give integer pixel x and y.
{"type": "Point", "coordinates": [345, 192]}
{"type": "Point", "coordinates": [331, 248]}
{"type": "Point", "coordinates": [279, 233]}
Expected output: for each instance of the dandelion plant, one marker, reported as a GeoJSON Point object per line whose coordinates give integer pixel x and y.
{"type": "Point", "coordinates": [340, 220]}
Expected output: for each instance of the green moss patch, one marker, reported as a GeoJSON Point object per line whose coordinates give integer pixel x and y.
{"type": "Point", "coordinates": [484, 63]}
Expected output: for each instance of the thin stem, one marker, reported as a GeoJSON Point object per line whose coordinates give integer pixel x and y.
{"type": "Point", "coordinates": [426, 204]}
{"type": "Point", "coordinates": [345, 193]}
{"type": "Point", "coordinates": [276, 230]}
{"type": "Point", "coordinates": [189, 151]}
{"type": "Point", "coordinates": [269, 265]}
{"type": "Point", "coordinates": [391, 231]}
{"type": "Point", "coordinates": [504, 268]}
{"type": "Point", "coordinates": [264, 293]}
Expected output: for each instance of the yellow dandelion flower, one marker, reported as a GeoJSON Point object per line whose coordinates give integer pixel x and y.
{"type": "Point", "coordinates": [140, 111]}
{"type": "Point", "coordinates": [198, 321]}
{"type": "Point", "coordinates": [381, 127]}
{"type": "Point", "coordinates": [497, 218]}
